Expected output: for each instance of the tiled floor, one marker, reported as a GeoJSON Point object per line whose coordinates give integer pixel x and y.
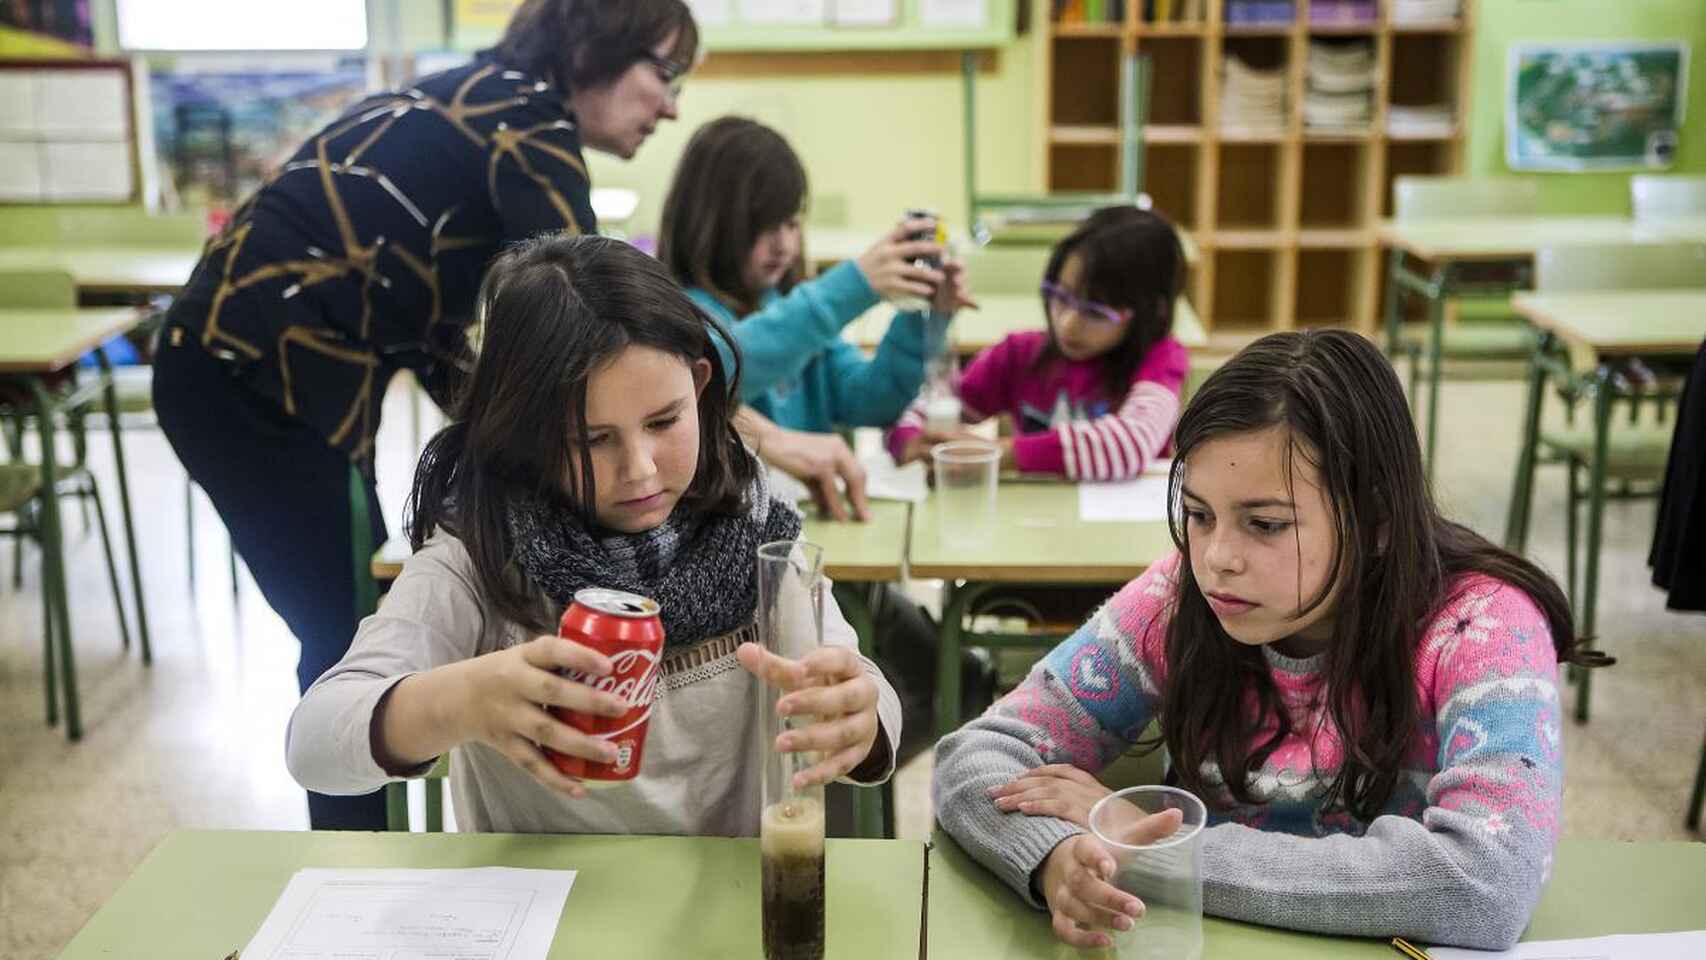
{"type": "Point", "coordinates": [197, 740]}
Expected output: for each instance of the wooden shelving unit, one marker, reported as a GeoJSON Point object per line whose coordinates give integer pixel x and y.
{"type": "Point", "coordinates": [1284, 217]}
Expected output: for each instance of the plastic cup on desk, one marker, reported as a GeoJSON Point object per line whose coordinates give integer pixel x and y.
{"type": "Point", "coordinates": [1166, 874]}
{"type": "Point", "coordinates": [966, 475]}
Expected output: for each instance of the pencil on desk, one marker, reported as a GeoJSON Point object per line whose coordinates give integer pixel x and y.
{"type": "Point", "coordinates": [1409, 949]}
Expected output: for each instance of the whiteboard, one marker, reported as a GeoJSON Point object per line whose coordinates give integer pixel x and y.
{"type": "Point", "coordinates": [81, 105]}
{"type": "Point", "coordinates": [20, 172]}
{"type": "Point", "coordinates": [17, 105]}
{"type": "Point", "coordinates": [87, 171]}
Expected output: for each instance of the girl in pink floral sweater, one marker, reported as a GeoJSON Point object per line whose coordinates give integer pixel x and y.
{"type": "Point", "coordinates": [1363, 692]}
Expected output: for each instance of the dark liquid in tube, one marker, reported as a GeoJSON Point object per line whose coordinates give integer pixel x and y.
{"type": "Point", "coordinates": [791, 838]}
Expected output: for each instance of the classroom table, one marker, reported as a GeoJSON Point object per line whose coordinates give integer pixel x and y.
{"type": "Point", "coordinates": [1598, 887]}
{"type": "Point", "coordinates": [202, 894]}
{"type": "Point", "coordinates": [975, 331]}
{"type": "Point", "coordinates": [1491, 256]}
{"type": "Point", "coordinates": [108, 270]}
{"type": "Point", "coordinates": [1039, 539]}
{"type": "Point", "coordinates": [1615, 326]}
{"type": "Point", "coordinates": [37, 346]}
{"type": "Point", "coordinates": [859, 558]}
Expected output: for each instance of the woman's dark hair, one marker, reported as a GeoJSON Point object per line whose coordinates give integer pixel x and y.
{"type": "Point", "coordinates": [581, 44]}
{"type": "Point", "coordinates": [1129, 259]}
{"type": "Point", "coordinates": [1395, 561]}
{"type": "Point", "coordinates": [552, 311]}
{"type": "Point", "coordinates": [737, 179]}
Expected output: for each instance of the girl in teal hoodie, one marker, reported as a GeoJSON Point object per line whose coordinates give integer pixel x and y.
{"type": "Point", "coordinates": [731, 237]}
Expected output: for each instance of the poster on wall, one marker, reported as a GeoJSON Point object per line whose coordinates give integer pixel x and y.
{"type": "Point", "coordinates": [220, 133]}
{"type": "Point", "coordinates": [1595, 106]}
{"type": "Point", "coordinates": [68, 21]}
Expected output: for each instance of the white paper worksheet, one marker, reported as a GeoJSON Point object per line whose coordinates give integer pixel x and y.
{"type": "Point", "coordinates": [1689, 945]}
{"type": "Point", "coordinates": [482, 913]}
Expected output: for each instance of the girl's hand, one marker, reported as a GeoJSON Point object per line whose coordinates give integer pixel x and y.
{"type": "Point", "coordinates": [954, 292]}
{"type": "Point", "coordinates": [1057, 790]}
{"type": "Point", "coordinates": [888, 266]}
{"type": "Point", "coordinates": [504, 696]}
{"type": "Point", "coordinates": [1076, 882]}
{"type": "Point", "coordinates": [830, 687]}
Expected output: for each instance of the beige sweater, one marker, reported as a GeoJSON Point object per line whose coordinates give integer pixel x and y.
{"type": "Point", "coordinates": [703, 762]}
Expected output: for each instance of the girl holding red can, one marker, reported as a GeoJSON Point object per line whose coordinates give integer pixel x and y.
{"type": "Point", "coordinates": [591, 450]}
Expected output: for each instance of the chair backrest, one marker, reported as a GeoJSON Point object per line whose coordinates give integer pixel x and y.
{"type": "Point", "coordinates": [1435, 198]}
{"type": "Point", "coordinates": [37, 289]}
{"type": "Point", "coordinates": [1620, 266]}
{"type": "Point", "coordinates": [1657, 197]}
{"type": "Point", "coordinates": [1003, 269]}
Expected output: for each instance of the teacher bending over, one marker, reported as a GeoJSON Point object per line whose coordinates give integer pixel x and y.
{"type": "Point", "coordinates": [361, 257]}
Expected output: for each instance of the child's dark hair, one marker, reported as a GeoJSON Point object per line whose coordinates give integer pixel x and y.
{"type": "Point", "coordinates": [551, 312]}
{"type": "Point", "coordinates": [737, 179]}
{"type": "Point", "coordinates": [1394, 561]}
{"type": "Point", "coordinates": [1130, 259]}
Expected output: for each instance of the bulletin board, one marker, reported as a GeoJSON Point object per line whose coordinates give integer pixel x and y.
{"type": "Point", "coordinates": [66, 132]}
{"type": "Point", "coordinates": [800, 25]}
{"type": "Point", "coordinates": [1595, 106]}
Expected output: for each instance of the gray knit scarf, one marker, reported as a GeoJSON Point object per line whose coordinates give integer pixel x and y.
{"type": "Point", "coordinates": [698, 567]}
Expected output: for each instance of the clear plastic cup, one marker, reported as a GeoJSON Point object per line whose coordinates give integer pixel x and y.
{"type": "Point", "coordinates": [966, 475]}
{"type": "Point", "coordinates": [1166, 874]}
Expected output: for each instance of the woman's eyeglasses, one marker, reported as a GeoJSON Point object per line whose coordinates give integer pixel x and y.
{"type": "Point", "coordinates": [1059, 298]}
{"type": "Point", "coordinates": [673, 74]}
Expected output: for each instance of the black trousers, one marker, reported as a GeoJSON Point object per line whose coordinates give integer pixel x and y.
{"type": "Point", "coordinates": [1678, 556]}
{"type": "Point", "coordinates": [284, 494]}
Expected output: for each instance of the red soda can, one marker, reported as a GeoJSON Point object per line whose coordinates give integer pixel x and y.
{"type": "Point", "coordinates": [624, 627]}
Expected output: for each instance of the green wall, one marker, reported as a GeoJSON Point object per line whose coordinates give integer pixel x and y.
{"type": "Point", "coordinates": [872, 144]}
{"type": "Point", "coordinates": [1501, 23]}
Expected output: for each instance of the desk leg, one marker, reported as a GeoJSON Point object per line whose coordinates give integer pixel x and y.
{"type": "Point", "coordinates": [1522, 490]}
{"type": "Point", "coordinates": [1698, 797]}
{"type": "Point", "coordinates": [1596, 516]}
{"type": "Point", "coordinates": [955, 605]}
{"type": "Point", "coordinates": [1436, 347]}
{"type": "Point", "coordinates": [53, 558]}
{"type": "Point", "coordinates": [873, 810]}
{"type": "Point", "coordinates": [124, 503]}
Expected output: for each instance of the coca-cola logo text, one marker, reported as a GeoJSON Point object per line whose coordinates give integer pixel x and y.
{"type": "Point", "coordinates": [633, 677]}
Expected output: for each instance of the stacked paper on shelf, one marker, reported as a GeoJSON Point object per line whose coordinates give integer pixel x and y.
{"type": "Point", "coordinates": [1342, 12]}
{"type": "Point", "coordinates": [1340, 84]}
{"type": "Point", "coordinates": [1422, 11]}
{"type": "Point", "coordinates": [1259, 12]}
{"type": "Point", "coordinates": [1425, 121]}
{"type": "Point", "coordinates": [1251, 98]}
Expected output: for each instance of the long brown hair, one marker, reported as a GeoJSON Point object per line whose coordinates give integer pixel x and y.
{"type": "Point", "coordinates": [581, 44]}
{"type": "Point", "coordinates": [551, 312]}
{"type": "Point", "coordinates": [1130, 259]}
{"type": "Point", "coordinates": [737, 179]}
{"type": "Point", "coordinates": [1395, 558]}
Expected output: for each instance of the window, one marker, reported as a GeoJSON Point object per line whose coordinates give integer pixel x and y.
{"type": "Point", "coordinates": [228, 25]}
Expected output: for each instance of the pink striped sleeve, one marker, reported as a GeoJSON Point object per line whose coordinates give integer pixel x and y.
{"type": "Point", "coordinates": [1118, 445]}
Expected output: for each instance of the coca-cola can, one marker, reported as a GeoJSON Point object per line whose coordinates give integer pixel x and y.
{"type": "Point", "coordinates": [625, 628]}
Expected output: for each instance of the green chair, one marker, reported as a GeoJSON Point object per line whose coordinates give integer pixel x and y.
{"type": "Point", "coordinates": [1636, 452]}
{"type": "Point", "coordinates": [1486, 329]}
{"type": "Point", "coordinates": [397, 800]}
{"type": "Point", "coordinates": [1656, 197]}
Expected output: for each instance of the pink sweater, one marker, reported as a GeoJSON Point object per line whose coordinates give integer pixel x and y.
{"type": "Point", "coordinates": [1457, 856]}
{"type": "Point", "coordinates": [1064, 421]}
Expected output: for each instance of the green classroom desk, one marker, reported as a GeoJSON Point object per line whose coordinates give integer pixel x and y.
{"type": "Point", "coordinates": [201, 894]}
{"type": "Point", "coordinates": [1613, 326]}
{"type": "Point", "coordinates": [35, 347]}
{"type": "Point", "coordinates": [108, 270]}
{"type": "Point", "coordinates": [1450, 248]}
{"type": "Point", "coordinates": [1597, 888]}
{"type": "Point", "coordinates": [975, 331]}
{"type": "Point", "coordinates": [1039, 540]}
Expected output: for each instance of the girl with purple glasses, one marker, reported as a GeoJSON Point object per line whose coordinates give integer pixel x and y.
{"type": "Point", "coordinates": [1096, 394]}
